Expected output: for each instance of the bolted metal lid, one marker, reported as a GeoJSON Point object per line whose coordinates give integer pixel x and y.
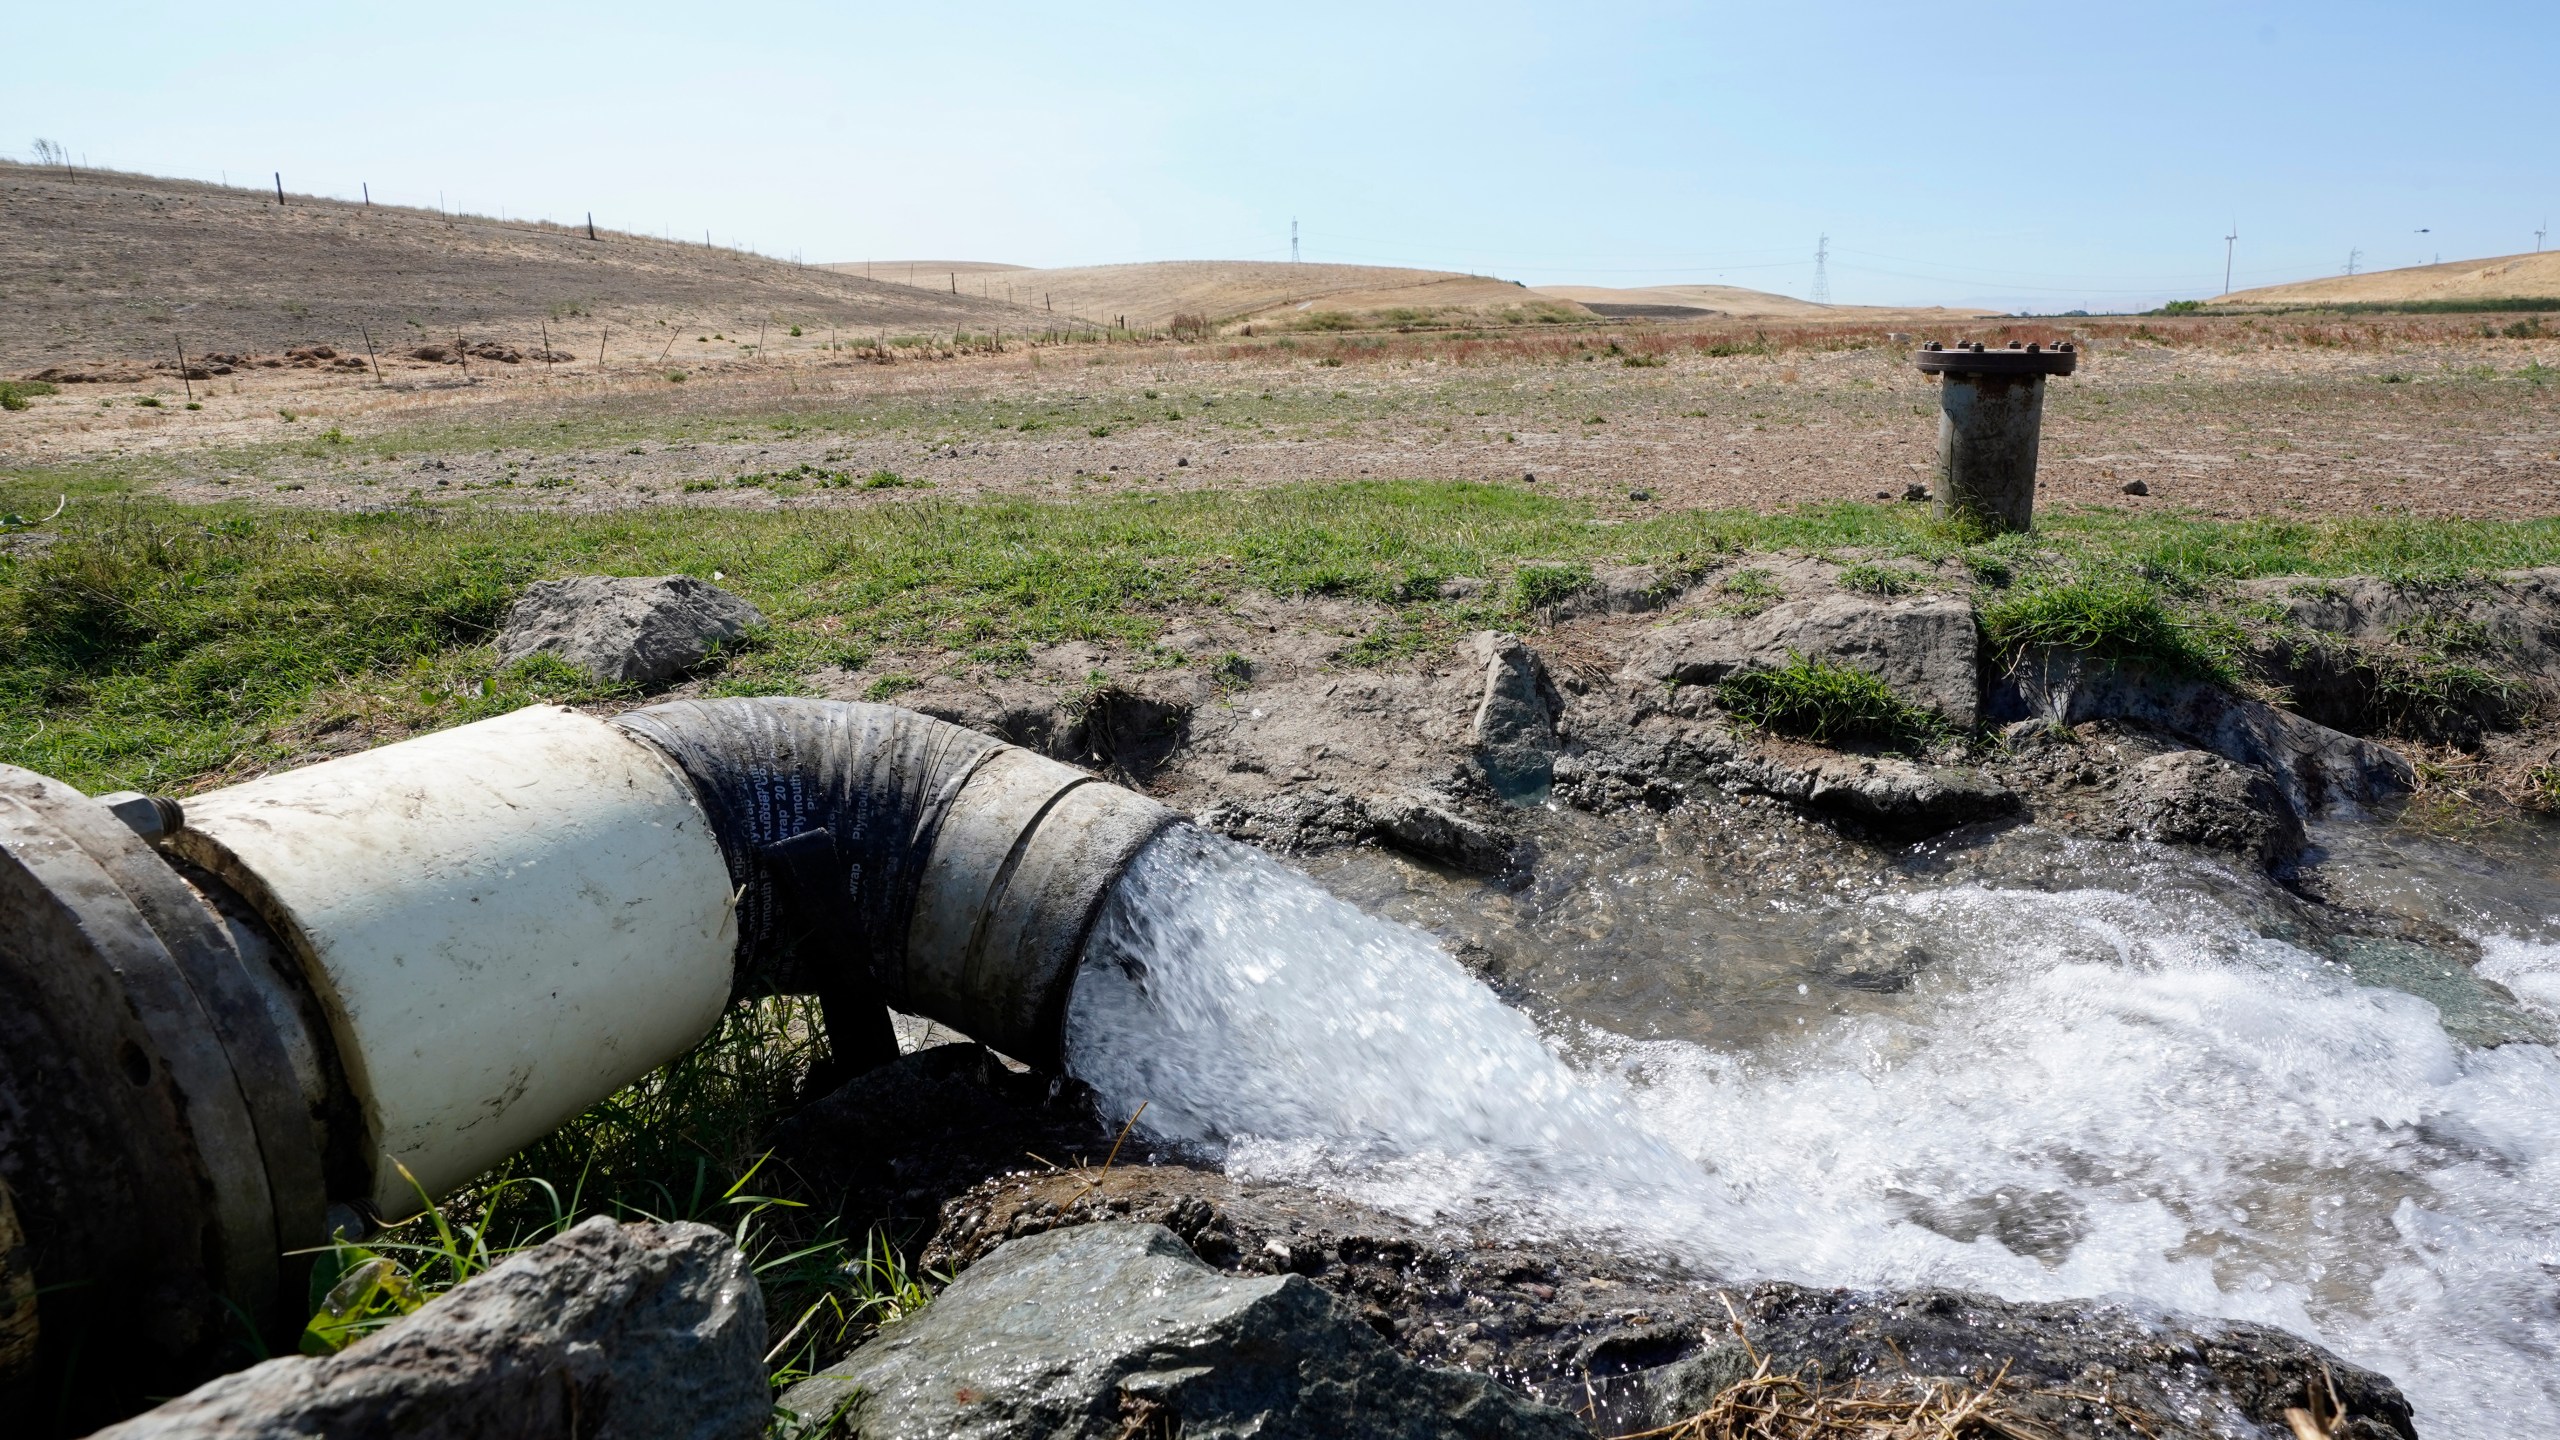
{"type": "Point", "coordinates": [2012, 359]}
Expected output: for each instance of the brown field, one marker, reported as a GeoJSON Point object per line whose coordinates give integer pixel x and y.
{"type": "Point", "coordinates": [2503, 277]}
{"type": "Point", "coordinates": [2222, 416]}
{"type": "Point", "coordinates": [970, 395]}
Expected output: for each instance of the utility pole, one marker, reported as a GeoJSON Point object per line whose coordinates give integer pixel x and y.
{"type": "Point", "coordinates": [2354, 258]}
{"type": "Point", "coordinates": [1822, 271]}
{"type": "Point", "coordinates": [2228, 241]}
{"type": "Point", "coordinates": [1293, 241]}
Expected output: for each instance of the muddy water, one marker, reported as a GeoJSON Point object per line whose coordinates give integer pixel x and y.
{"type": "Point", "coordinates": [2032, 1065]}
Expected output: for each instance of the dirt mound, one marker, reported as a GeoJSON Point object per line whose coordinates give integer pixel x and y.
{"type": "Point", "coordinates": [2503, 277]}
{"type": "Point", "coordinates": [100, 267]}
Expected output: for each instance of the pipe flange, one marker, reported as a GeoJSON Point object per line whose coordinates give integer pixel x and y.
{"type": "Point", "coordinates": [2011, 359]}
{"type": "Point", "coordinates": [157, 1168]}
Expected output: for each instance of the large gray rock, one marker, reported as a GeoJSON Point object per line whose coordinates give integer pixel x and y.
{"type": "Point", "coordinates": [1428, 829]}
{"type": "Point", "coordinates": [1116, 1329]}
{"type": "Point", "coordinates": [2188, 797]}
{"type": "Point", "coordinates": [608, 1332]}
{"type": "Point", "coordinates": [1925, 647]}
{"type": "Point", "coordinates": [1515, 724]}
{"type": "Point", "coordinates": [637, 629]}
{"type": "Point", "coordinates": [2315, 767]}
{"type": "Point", "coordinates": [1901, 797]}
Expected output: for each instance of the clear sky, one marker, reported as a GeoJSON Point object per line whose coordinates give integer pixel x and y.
{"type": "Point", "coordinates": [2044, 156]}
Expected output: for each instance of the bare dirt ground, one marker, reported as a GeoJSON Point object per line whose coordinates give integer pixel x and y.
{"type": "Point", "coordinates": [2420, 415]}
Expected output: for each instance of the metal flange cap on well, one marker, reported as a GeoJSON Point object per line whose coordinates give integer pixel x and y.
{"type": "Point", "coordinates": [2011, 359]}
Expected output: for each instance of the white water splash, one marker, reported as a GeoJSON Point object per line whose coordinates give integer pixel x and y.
{"type": "Point", "coordinates": [2095, 1094]}
{"type": "Point", "coordinates": [1254, 1013]}
{"type": "Point", "coordinates": [2530, 968]}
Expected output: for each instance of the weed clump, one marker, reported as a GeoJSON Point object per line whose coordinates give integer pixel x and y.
{"type": "Point", "coordinates": [1747, 592]}
{"type": "Point", "coordinates": [1877, 580]}
{"type": "Point", "coordinates": [1539, 587]}
{"type": "Point", "coordinates": [14, 394]}
{"type": "Point", "coordinates": [2122, 619]}
{"type": "Point", "coordinates": [1825, 702]}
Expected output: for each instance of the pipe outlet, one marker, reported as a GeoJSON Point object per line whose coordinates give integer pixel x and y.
{"type": "Point", "coordinates": [230, 1027]}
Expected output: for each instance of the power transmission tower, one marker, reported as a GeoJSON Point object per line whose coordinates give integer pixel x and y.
{"type": "Point", "coordinates": [1822, 271]}
{"type": "Point", "coordinates": [2354, 258]}
{"type": "Point", "coordinates": [2228, 241]}
{"type": "Point", "coordinates": [1293, 242]}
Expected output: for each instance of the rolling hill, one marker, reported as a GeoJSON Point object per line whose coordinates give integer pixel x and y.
{"type": "Point", "coordinates": [2503, 277]}
{"type": "Point", "coordinates": [103, 266]}
{"type": "Point", "coordinates": [1150, 294]}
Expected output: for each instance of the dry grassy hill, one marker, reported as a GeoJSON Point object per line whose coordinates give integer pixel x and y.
{"type": "Point", "coordinates": [1224, 292]}
{"type": "Point", "coordinates": [109, 267]}
{"type": "Point", "coordinates": [2505, 277]}
{"type": "Point", "coordinates": [1681, 302]}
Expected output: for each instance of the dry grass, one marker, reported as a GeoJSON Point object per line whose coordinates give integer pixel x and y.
{"type": "Point", "coordinates": [2501, 277]}
{"type": "Point", "coordinates": [1769, 1404]}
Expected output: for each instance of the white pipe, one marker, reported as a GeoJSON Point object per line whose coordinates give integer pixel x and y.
{"type": "Point", "coordinates": [503, 922]}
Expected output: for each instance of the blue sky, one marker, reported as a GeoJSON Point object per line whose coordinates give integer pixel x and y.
{"type": "Point", "coordinates": [2048, 157]}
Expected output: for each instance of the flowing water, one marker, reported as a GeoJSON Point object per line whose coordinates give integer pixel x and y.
{"type": "Point", "coordinates": [2043, 1068]}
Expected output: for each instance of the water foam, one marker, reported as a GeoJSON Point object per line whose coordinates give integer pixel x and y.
{"type": "Point", "coordinates": [2093, 1094]}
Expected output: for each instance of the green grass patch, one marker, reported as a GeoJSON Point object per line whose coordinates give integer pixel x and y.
{"type": "Point", "coordinates": [1877, 579]}
{"type": "Point", "coordinates": [1539, 587]}
{"type": "Point", "coordinates": [1827, 703]}
{"type": "Point", "coordinates": [147, 644]}
{"type": "Point", "coordinates": [14, 394]}
{"type": "Point", "coordinates": [682, 1143]}
{"type": "Point", "coordinates": [2112, 617]}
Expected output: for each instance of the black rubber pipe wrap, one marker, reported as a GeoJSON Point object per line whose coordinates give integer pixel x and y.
{"type": "Point", "coordinates": [883, 855]}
